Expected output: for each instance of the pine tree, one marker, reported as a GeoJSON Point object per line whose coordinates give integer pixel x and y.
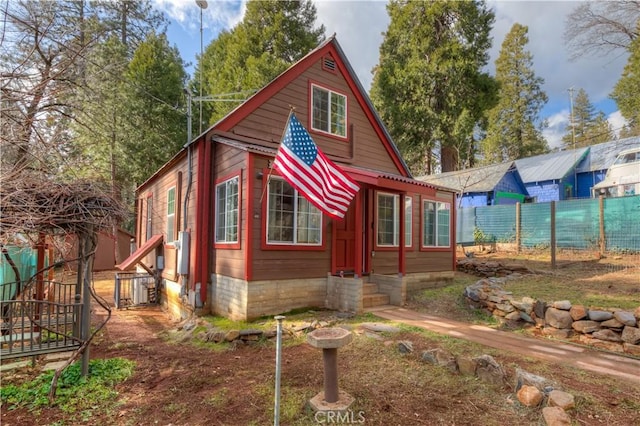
{"type": "Point", "coordinates": [626, 92]}
{"type": "Point", "coordinates": [587, 128]}
{"type": "Point", "coordinates": [514, 131]}
{"type": "Point", "coordinates": [428, 87]}
{"type": "Point", "coordinates": [156, 127]}
{"type": "Point", "coordinates": [270, 38]}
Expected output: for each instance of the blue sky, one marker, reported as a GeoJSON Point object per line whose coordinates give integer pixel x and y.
{"type": "Point", "coordinates": [359, 26]}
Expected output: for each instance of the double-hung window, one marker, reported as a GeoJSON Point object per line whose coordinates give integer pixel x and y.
{"type": "Point", "coordinates": [436, 221]}
{"type": "Point", "coordinates": [388, 225]}
{"type": "Point", "coordinates": [329, 111]}
{"type": "Point", "coordinates": [291, 219]}
{"type": "Point", "coordinates": [227, 211]}
{"type": "Point", "coordinates": [171, 214]}
{"type": "Point", "coordinates": [149, 227]}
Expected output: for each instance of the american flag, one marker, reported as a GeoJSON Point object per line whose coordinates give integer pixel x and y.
{"type": "Point", "coordinates": [309, 171]}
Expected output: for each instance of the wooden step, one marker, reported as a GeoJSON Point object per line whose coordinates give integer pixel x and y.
{"type": "Point", "coordinates": [375, 299]}
{"type": "Point", "coordinates": [369, 288]}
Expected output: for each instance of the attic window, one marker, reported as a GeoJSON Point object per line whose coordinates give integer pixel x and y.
{"type": "Point", "coordinates": [329, 64]}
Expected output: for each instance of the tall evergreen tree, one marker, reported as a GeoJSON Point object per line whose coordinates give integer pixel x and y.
{"type": "Point", "coordinates": [514, 129]}
{"type": "Point", "coordinates": [271, 37]}
{"type": "Point", "coordinates": [156, 129]}
{"type": "Point", "coordinates": [586, 127]}
{"type": "Point", "coordinates": [626, 92]}
{"type": "Point", "coordinates": [429, 87]}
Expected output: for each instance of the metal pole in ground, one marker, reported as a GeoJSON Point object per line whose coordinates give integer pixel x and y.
{"type": "Point", "coordinates": [276, 411]}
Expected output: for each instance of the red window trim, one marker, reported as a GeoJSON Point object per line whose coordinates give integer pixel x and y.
{"type": "Point", "coordinates": [221, 245]}
{"type": "Point", "coordinates": [284, 247]}
{"type": "Point", "coordinates": [435, 248]}
{"type": "Point", "coordinates": [375, 235]}
{"type": "Point", "coordinates": [310, 127]}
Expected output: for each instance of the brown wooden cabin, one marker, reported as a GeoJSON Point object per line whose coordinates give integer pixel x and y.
{"type": "Point", "coordinates": [234, 239]}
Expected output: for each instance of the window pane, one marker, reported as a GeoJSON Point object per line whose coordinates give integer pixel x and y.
{"type": "Point", "coordinates": [338, 114]}
{"type": "Point", "coordinates": [386, 220]}
{"type": "Point", "coordinates": [171, 209]}
{"type": "Point", "coordinates": [227, 211]}
{"type": "Point", "coordinates": [429, 223]}
{"type": "Point", "coordinates": [280, 212]}
{"type": "Point", "coordinates": [320, 109]}
{"type": "Point", "coordinates": [308, 222]}
{"type": "Point", "coordinates": [408, 215]}
{"type": "Point", "coordinates": [443, 225]}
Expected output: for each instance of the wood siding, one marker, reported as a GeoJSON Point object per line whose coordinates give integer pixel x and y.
{"type": "Point", "coordinates": [286, 263]}
{"type": "Point", "coordinates": [229, 162]}
{"type": "Point", "coordinates": [175, 176]}
{"type": "Point", "coordinates": [363, 148]}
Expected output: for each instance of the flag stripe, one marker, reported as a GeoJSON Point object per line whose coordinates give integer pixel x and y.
{"type": "Point", "coordinates": [309, 187]}
{"type": "Point", "coordinates": [310, 172]}
{"type": "Point", "coordinates": [318, 179]}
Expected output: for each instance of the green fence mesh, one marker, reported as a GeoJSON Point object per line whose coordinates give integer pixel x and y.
{"type": "Point", "coordinates": [577, 224]}
{"type": "Point", "coordinates": [496, 223]}
{"type": "Point", "coordinates": [622, 224]}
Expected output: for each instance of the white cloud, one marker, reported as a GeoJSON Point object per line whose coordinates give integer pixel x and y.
{"type": "Point", "coordinates": [558, 123]}
{"type": "Point", "coordinates": [617, 121]}
{"type": "Point", "coordinates": [358, 26]}
{"type": "Point", "coordinates": [217, 15]}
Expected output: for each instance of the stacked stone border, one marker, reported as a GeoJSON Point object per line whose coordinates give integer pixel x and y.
{"type": "Point", "coordinates": [532, 391]}
{"type": "Point", "coordinates": [610, 329]}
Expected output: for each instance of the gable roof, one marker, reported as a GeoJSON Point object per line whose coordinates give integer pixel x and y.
{"type": "Point", "coordinates": [332, 47]}
{"type": "Point", "coordinates": [602, 155]}
{"type": "Point", "coordinates": [329, 46]}
{"type": "Point", "coordinates": [477, 179]}
{"type": "Point", "coordinates": [555, 165]}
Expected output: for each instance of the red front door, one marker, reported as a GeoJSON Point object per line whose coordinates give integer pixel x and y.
{"type": "Point", "coordinates": [344, 248]}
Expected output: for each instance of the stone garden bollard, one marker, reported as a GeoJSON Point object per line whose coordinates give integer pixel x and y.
{"type": "Point", "coordinates": [329, 340]}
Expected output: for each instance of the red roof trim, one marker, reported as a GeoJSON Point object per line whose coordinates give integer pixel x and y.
{"type": "Point", "coordinates": [141, 252]}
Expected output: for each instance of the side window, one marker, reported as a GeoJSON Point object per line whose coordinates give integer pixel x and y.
{"type": "Point", "coordinates": [227, 211]}
{"type": "Point", "coordinates": [171, 214]}
{"type": "Point", "coordinates": [149, 227]}
{"type": "Point", "coordinates": [329, 111]}
{"type": "Point", "coordinates": [436, 224]}
{"type": "Point", "coordinates": [388, 225]}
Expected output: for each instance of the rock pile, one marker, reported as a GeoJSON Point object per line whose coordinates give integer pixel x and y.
{"type": "Point", "coordinates": [490, 268]}
{"type": "Point", "coordinates": [612, 329]}
{"type": "Point", "coordinates": [531, 390]}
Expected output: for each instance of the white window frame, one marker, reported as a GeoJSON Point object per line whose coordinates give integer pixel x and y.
{"type": "Point", "coordinates": [230, 214]}
{"type": "Point", "coordinates": [299, 204]}
{"type": "Point", "coordinates": [437, 226]}
{"type": "Point", "coordinates": [331, 125]}
{"type": "Point", "coordinates": [408, 218]}
{"type": "Point", "coordinates": [171, 215]}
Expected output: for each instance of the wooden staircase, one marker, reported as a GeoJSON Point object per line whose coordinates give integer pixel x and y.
{"type": "Point", "coordinates": [371, 297]}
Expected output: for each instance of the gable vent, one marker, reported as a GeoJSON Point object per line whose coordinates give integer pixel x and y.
{"type": "Point", "coordinates": [328, 64]}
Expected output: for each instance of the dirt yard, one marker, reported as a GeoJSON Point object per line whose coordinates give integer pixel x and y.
{"type": "Point", "coordinates": [182, 382]}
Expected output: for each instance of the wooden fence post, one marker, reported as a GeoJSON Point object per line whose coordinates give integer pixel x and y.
{"type": "Point", "coordinates": [601, 239]}
{"type": "Point", "coordinates": [518, 235]}
{"type": "Point", "coordinates": [553, 235]}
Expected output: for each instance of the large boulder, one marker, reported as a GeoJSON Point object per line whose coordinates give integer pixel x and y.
{"type": "Point", "coordinates": [558, 318]}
